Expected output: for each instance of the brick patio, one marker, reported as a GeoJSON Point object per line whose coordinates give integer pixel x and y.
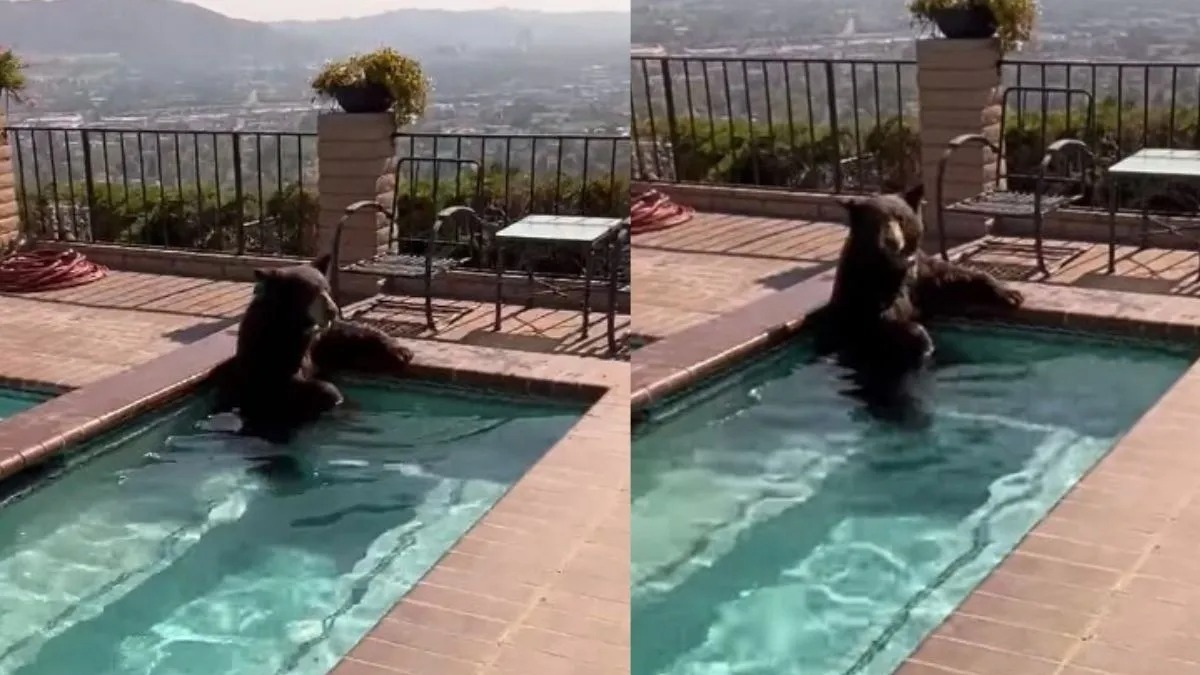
{"type": "Point", "coordinates": [75, 336]}
{"type": "Point", "coordinates": [717, 262]}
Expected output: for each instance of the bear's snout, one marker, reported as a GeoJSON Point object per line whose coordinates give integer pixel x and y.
{"type": "Point", "coordinates": [893, 239]}
{"type": "Point", "coordinates": [323, 310]}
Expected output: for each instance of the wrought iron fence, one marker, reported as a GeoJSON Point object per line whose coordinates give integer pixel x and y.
{"type": "Point", "coordinates": [818, 124]}
{"type": "Point", "coordinates": [545, 173]}
{"type": "Point", "coordinates": [850, 125]}
{"type": "Point", "coordinates": [255, 192]}
{"type": "Point", "coordinates": [179, 189]}
{"type": "Point", "coordinates": [1136, 105]}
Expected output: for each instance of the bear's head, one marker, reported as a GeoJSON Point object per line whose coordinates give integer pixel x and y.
{"type": "Point", "coordinates": [296, 296]}
{"type": "Point", "coordinates": [885, 228]}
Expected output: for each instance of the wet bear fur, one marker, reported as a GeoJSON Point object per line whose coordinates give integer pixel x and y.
{"type": "Point", "coordinates": [291, 342]}
{"type": "Point", "coordinates": [886, 287]}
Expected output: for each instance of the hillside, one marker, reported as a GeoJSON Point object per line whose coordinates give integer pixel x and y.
{"type": "Point", "coordinates": [170, 36]}
{"type": "Point", "coordinates": [148, 34]}
{"type": "Point", "coordinates": [424, 32]}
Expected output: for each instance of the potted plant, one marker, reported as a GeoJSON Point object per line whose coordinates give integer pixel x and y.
{"type": "Point", "coordinates": [375, 82]}
{"type": "Point", "coordinates": [12, 75]}
{"type": "Point", "coordinates": [1011, 20]}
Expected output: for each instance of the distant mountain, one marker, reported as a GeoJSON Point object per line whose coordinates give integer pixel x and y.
{"type": "Point", "coordinates": [425, 32]}
{"type": "Point", "coordinates": [172, 36]}
{"type": "Point", "coordinates": [147, 34]}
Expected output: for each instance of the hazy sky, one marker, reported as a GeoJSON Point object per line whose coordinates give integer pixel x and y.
{"type": "Point", "coordinates": [271, 10]}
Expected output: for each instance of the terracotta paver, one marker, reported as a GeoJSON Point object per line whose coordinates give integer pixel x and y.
{"type": "Point", "coordinates": [76, 336]}
{"type": "Point", "coordinates": [1107, 582]}
{"type": "Point", "coordinates": [715, 263]}
{"type": "Point", "coordinates": [551, 331]}
{"type": "Point", "coordinates": [79, 335]}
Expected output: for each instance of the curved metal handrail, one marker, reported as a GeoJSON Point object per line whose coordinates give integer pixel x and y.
{"type": "Point", "coordinates": [955, 144]}
{"type": "Point", "coordinates": [393, 224]}
{"type": "Point", "coordinates": [335, 262]}
{"type": "Point", "coordinates": [1054, 151]}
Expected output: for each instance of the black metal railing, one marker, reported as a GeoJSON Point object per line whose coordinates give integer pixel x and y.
{"type": "Point", "coordinates": [580, 174]}
{"type": "Point", "coordinates": [1137, 105]}
{"type": "Point", "coordinates": [568, 174]}
{"type": "Point", "coordinates": [255, 192]}
{"type": "Point", "coordinates": [818, 124]}
{"type": "Point", "coordinates": [178, 189]}
{"type": "Point", "coordinates": [849, 125]}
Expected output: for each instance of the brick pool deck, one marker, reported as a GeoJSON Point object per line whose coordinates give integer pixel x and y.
{"type": "Point", "coordinates": [1107, 582]}
{"type": "Point", "coordinates": [716, 263]}
{"type": "Point", "coordinates": [75, 336]}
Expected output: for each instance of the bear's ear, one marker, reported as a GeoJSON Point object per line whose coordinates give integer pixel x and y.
{"type": "Point", "coordinates": [322, 263]}
{"type": "Point", "coordinates": [853, 206]}
{"type": "Point", "coordinates": [850, 203]}
{"type": "Point", "coordinates": [262, 274]}
{"type": "Point", "coordinates": [914, 196]}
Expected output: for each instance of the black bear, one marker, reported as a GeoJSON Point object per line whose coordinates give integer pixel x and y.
{"type": "Point", "coordinates": [885, 286]}
{"type": "Point", "coordinates": [291, 340]}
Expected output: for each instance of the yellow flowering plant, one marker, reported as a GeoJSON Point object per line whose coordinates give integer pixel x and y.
{"type": "Point", "coordinates": [391, 80]}
{"type": "Point", "coordinates": [1015, 19]}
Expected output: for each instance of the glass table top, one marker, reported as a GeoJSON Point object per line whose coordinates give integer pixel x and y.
{"type": "Point", "coordinates": [1160, 162]}
{"type": "Point", "coordinates": [560, 228]}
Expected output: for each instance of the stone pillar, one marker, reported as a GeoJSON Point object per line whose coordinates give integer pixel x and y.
{"type": "Point", "coordinates": [355, 156]}
{"type": "Point", "coordinates": [959, 89]}
{"type": "Point", "coordinates": [10, 223]}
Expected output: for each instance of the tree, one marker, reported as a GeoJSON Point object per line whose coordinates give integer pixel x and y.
{"type": "Point", "coordinates": [12, 75]}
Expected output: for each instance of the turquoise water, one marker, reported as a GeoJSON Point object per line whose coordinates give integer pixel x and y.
{"type": "Point", "coordinates": [169, 550]}
{"type": "Point", "coordinates": [778, 530]}
{"type": "Point", "coordinates": [13, 401]}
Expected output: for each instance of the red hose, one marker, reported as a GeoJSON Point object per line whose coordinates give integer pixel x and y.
{"type": "Point", "coordinates": [653, 211]}
{"type": "Point", "coordinates": [46, 270]}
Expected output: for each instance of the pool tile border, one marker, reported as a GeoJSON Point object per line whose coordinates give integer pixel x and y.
{"type": "Point", "coordinates": [540, 584]}
{"type": "Point", "coordinates": [1106, 582]}
{"type": "Point", "coordinates": [43, 387]}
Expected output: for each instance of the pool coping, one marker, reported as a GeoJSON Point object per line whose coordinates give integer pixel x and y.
{"type": "Point", "coordinates": [531, 587]}
{"type": "Point", "coordinates": [1061, 602]}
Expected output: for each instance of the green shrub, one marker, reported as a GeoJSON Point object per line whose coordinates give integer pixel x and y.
{"type": "Point", "coordinates": [191, 218]}
{"type": "Point", "coordinates": [803, 158]}
{"type": "Point", "coordinates": [794, 157]}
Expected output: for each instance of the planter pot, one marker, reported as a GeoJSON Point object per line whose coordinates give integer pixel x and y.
{"type": "Point", "coordinates": [369, 98]}
{"type": "Point", "coordinates": [965, 23]}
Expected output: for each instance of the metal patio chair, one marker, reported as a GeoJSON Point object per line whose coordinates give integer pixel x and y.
{"type": "Point", "coordinates": [998, 200]}
{"type": "Point", "coordinates": [439, 255]}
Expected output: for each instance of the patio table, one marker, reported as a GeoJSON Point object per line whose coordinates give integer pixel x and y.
{"type": "Point", "coordinates": [586, 233]}
{"type": "Point", "coordinates": [1152, 168]}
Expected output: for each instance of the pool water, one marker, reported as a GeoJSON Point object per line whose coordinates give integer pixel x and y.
{"type": "Point", "coordinates": [780, 530]}
{"type": "Point", "coordinates": [13, 401]}
{"type": "Point", "coordinates": [167, 549]}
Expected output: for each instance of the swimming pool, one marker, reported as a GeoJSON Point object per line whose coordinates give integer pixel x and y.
{"type": "Point", "coordinates": [165, 549]}
{"type": "Point", "coordinates": [777, 529]}
{"type": "Point", "coordinates": [13, 401]}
